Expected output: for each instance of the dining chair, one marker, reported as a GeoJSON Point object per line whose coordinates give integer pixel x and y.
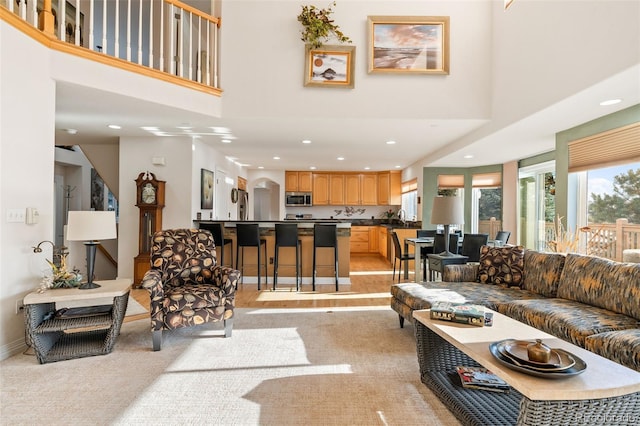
{"type": "Point", "coordinates": [399, 256]}
{"type": "Point", "coordinates": [471, 245]}
{"type": "Point", "coordinates": [424, 251]}
{"type": "Point", "coordinates": [503, 236]}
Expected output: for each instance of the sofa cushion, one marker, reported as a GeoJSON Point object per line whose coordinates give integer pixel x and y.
{"type": "Point", "coordinates": [567, 319]}
{"type": "Point", "coordinates": [487, 295]}
{"type": "Point", "coordinates": [621, 346]}
{"type": "Point", "coordinates": [601, 282]}
{"type": "Point", "coordinates": [501, 265]}
{"type": "Point", "coordinates": [542, 272]}
{"type": "Point", "coordinates": [417, 296]}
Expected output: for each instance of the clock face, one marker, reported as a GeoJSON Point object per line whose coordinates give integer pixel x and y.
{"type": "Point", "coordinates": [148, 194]}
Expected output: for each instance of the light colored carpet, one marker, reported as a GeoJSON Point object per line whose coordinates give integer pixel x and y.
{"type": "Point", "coordinates": [342, 366]}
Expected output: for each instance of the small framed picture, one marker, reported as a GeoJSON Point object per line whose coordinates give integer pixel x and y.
{"type": "Point", "coordinates": [329, 66]}
{"type": "Point", "coordinates": [409, 44]}
{"type": "Point", "coordinates": [206, 189]}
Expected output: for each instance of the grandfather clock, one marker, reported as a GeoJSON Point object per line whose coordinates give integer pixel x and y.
{"type": "Point", "coordinates": [150, 201]}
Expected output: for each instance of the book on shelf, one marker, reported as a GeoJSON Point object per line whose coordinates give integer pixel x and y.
{"type": "Point", "coordinates": [481, 378]}
{"type": "Point", "coordinates": [460, 312]}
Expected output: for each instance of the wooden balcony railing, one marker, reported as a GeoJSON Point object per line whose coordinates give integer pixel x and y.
{"type": "Point", "coordinates": [163, 35]}
{"type": "Point", "coordinates": [607, 240]}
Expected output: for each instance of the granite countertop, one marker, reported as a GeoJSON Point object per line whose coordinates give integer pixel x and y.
{"type": "Point", "coordinates": [343, 222]}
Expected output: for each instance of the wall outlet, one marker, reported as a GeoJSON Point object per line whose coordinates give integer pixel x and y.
{"type": "Point", "coordinates": [19, 306]}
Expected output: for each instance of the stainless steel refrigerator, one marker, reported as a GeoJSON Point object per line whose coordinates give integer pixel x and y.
{"type": "Point", "coordinates": [243, 205]}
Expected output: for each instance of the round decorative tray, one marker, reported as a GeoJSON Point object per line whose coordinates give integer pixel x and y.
{"type": "Point", "coordinates": [569, 364]}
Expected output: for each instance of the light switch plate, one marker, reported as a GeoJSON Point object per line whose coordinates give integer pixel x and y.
{"type": "Point", "coordinates": [16, 215]}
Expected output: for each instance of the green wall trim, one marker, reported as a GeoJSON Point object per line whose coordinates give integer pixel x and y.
{"type": "Point", "coordinates": [430, 189]}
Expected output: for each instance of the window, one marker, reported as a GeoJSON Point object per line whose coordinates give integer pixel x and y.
{"type": "Point", "coordinates": [604, 173]}
{"type": "Point", "coordinates": [486, 210]}
{"type": "Point", "coordinates": [410, 199]}
{"type": "Point", "coordinates": [536, 205]}
{"type": "Point", "coordinates": [609, 206]}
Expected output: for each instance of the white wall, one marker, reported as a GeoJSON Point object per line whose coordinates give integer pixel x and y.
{"type": "Point", "coordinates": [252, 89]}
{"type": "Point", "coordinates": [27, 115]}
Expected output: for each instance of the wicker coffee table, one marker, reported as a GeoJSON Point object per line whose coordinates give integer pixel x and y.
{"type": "Point", "coordinates": [605, 393]}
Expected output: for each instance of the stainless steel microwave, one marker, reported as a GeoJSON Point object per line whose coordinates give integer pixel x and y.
{"type": "Point", "coordinates": [298, 199]}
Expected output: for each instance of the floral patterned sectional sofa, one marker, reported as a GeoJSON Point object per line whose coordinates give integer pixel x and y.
{"type": "Point", "coordinates": [591, 302]}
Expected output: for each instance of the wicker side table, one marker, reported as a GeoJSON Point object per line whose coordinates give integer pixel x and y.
{"type": "Point", "coordinates": [58, 339]}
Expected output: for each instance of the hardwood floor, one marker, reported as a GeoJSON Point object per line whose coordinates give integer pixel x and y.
{"type": "Point", "coordinates": [371, 280]}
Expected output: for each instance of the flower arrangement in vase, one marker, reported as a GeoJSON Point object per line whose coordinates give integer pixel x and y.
{"type": "Point", "coordinates": [60, 277]}
{"type": "Point", "coordinates": [389, 215]}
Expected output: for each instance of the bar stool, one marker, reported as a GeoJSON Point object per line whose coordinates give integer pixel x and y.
{"type": "Point", "coordinates": [216, 230]}
{"type": "Point", "coordinates": [248, 235]}
{"type": "Point", "coordinates": [287, 236]}
{"type": "Point", "coordinates": [325, 236]}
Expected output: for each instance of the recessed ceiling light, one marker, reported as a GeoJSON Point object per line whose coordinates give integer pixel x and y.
{"type": "Point", "coordinates": [398, 167]}
{"type": "Point", "coordinates": [312, 167]}
{"type": "Point", "coordinates": [391, 142]}
{"type": "Point", "coordinates": [340, 158]}
{"type": "Point", "coordinates": [71, 131]}
{"type": "Point", "coordinates": [261, 167]}
{"type": "Point", "coordinates": [149, 128]}
{"type": "Point", "coordinates": [276, 158]}
{"type": "Point", "coordinates": [306, 141]}
{"type": "Point", "coordinates": [184, 126]}
{"type": "Point", "coordinates": [610, 102]}
{"type": "Point", "coordinates": [114, 126]}
{"type": "Point", "coordinates": [468, 156]}
{"type": "Point", "coordinates": [221, 130]}
{"type": "Point", "coordinates": [367, 168]}
{"type": "Point", "coordinates": [225, 140]}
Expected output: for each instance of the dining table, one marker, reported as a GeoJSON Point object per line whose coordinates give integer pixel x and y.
{"type": "Point", "coordinates": [418, 243]}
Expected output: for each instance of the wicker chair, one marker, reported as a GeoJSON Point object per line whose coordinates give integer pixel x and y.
{"type": "Point", "coordinates": [186, 285]}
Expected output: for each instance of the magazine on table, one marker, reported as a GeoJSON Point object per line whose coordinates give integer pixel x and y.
{"type": "Point", "coordinates": [481, 378]}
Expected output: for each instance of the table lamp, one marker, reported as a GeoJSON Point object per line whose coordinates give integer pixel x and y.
{"type": "Point", "coordinates": [91, 226]}
{"type": "Point", "coordinates": [447, 211]}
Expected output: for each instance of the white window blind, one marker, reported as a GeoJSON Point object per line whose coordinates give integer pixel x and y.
{"type": "Point", "coordinates": [487, 180]}
{"type": "Point", "coordinates": [450, 181]}
{"type": "Point", "coordinates": [610, 148]}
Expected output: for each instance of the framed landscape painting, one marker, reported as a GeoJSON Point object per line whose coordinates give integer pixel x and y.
{"type": "Point", "coordinates": [329, 66]}
{"type": "Point", "coordinates": [409, 44]}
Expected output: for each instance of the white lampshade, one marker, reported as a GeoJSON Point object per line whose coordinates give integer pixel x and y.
{"type": "Point", "coordinates": [447, 211]}
{"type": "Point", "coordinates": [91, 226]}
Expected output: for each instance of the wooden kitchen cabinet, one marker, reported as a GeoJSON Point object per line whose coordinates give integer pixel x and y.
{"type": "Point", "coordinates": [361, 189]}
{"type": "Point", "coordinates": [389, 188]}
{"type": "Point", "coordinates": [336, 189]}
{"type": "Point", "coordinates": [364, 239]}
{"type": "Point", "coordinates": [321, 189]}
{"type": "Point", "coordinates": [369, 190]}
{"type": "Point", "coordinates": [373, 239]}
{"type": "Point", "coordinates": [382, 241]}
{"type": "Point", "coordinates": [359, 242]}
{"type": "Point", "coordinates": [298, 181]}
{"type": "Point", "coordinates": [352, 189]}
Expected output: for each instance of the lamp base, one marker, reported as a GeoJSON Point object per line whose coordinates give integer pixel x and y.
{"type": "Point", "coordinates": [88, 286]}
{"type": "Point", "coordinates": [447, 254]}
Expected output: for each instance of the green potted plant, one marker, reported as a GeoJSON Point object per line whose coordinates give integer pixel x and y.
{"type": "Point", "coordinates": [318, 26]}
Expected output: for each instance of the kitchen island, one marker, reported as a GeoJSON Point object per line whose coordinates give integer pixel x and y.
{"type": "Point", "coordinates": [286, 271]}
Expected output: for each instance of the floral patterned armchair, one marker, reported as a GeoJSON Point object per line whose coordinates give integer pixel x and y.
{"type": "Point", "coordinates": [186, 285]}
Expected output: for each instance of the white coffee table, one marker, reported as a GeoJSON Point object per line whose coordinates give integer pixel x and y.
{"type": "Point", "coordinates": [606, 390]}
